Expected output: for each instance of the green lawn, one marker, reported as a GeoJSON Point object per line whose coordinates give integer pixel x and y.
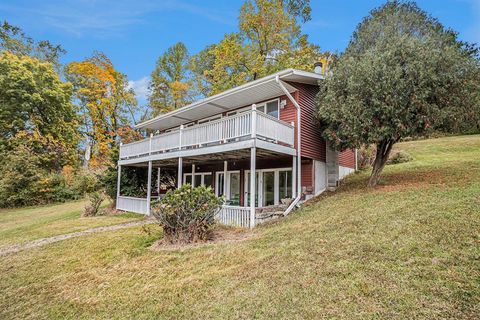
{"type": "Point", "coordinates": [409, 249]}
{"type": "Point", "coordinates": [26, 224]}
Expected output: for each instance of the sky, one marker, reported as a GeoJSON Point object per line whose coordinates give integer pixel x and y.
{"type": "Point", "coordinates": [134, 33]}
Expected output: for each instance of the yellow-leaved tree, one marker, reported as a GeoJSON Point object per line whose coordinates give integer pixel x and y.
{"type": "Point", "coordinates": [106, 101]}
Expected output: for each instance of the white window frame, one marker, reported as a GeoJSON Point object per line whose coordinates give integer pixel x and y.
{"type": "Point", "coordinates": [208, 119]}
{"type": "Point", "coordinates": [202, 179]}
{"type": "Point", "coordinates": [264, 105]}
{"type": "Point", "coordinates": [276, 185]}
{"type": "Point", "coordinates": [237, 111]}
{"type": "Point", "coordinates": [178, 128]}
{"type": "Point", "coordinates": [227, 181]}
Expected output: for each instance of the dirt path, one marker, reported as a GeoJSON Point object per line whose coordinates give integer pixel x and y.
{"type": "Point", "coordinates": [41, 242]}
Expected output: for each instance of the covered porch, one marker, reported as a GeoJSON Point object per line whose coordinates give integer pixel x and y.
{"type": "Point", "coordinates": [249, 199]}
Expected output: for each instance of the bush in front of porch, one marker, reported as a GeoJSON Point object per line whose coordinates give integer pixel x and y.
{"type": "Point", "coordinates": [187, 214]}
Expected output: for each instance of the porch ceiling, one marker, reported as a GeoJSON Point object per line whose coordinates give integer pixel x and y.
{"type": "Point", "coordinates": [236, 155]}
{"type": "Point", "coordinates": [244, 95]}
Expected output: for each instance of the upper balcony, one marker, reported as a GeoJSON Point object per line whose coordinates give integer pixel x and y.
{"type": "Point", "coordinates": [222, 132]}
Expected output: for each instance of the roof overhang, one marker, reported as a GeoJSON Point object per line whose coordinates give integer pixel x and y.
{"type": "Point", "coordinates": [249, 93]}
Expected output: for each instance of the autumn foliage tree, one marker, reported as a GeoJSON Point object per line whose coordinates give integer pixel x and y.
{"type": "Point", "coordinates": [106, 102]}
{"type": "Point", "coordinates": [38, 130]}
{"type": "Point", "coordinates": [35, 106]}
{"type": "Point", "coordinates": [14, 40]}
{"type": "Point", "coordinates": [402, 75]}
{"type": "Point", "coordinates": [269, 39]}
{"type": "Point", "coordinates": [171, 85]}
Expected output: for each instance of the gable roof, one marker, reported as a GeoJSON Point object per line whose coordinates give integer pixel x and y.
{"type": "Point", "coordinates": [258, 90]}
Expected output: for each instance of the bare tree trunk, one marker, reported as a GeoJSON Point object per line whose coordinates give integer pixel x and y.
{"type": "Point", "coordinates": [381, 157]}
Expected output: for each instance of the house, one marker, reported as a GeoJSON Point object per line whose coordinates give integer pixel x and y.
{"type": "Point", "coordinates": [266, 126]}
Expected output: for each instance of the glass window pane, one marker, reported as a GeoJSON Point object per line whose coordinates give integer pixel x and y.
{"type": "Point", "coordinates": [268, 188]}
{"type": "Point", "coordinates": [285, 184]}
{"type": "Point", "coordinates": [188, 179]}
{"type": "Point", "coordinates": [207, 180]}
{"type": "Point", "coordinates": [219, 187]}
{"type": "Point", "coordinates": [235, 189]}
{"type": "Point", "coordinates": [261, 108]}
{"type": "Point", "coordinates": [248, 191]}
{"type": "Point", "coordinates": [198, 180]}
{"type": "Point", "coordinates": [272, 109]}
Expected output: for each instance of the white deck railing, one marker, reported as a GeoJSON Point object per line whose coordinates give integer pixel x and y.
{"type": "Point", "coordinates": [274, 129]}
{"type": "Point", "coordinates": [131, 204]}
{"type": "Point", "coordinates": [218, 131]}
{"type": "Point", "coordinates": [227, 129]}
{"type": "Point", "coordinates": [227, 215]}
{"type": "Point", "coordinates": [234, 216]}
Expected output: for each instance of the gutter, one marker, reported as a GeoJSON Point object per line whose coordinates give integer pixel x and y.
{"type": "Point", "coordinates": [226, 93]}
{"type": "Point", "coordinates": [299, 155]}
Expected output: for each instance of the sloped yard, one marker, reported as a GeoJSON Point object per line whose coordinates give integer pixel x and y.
{"type": "Point", "coordinates": [407, 249]}
{"type": "Point", "coordinates": [27, 224]}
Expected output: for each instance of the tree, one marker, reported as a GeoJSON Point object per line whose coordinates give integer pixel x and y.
{"type": "Point", "coordinates": [171, 85]}
{"type": "Point", "coordinates": [14, 40]}
{"type": "Point", "coordinates": [402, 75]}
{"type": "Point", "coordinates": [200, 64]}
{"type": "Point", "coordinates": [35, 106]}
{"type": "Point", "coordinates": [106, 102]}
{"type": "Point", "coordinates": [269, 40]}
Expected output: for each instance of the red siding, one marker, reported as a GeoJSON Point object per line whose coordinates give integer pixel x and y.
{"type": "Point", "coordinates": [313, 145]}
{"type": "Point", "coordinates": [347, 158]}
{"type": "Point", "coordinates": [307, 175]}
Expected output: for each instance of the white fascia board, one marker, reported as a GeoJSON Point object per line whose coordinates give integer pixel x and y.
{"type": "Point", "coordinates": [246, 86]}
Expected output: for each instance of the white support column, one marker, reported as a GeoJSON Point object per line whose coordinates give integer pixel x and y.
{"type": "Point", "coordinates": [294, 177]}
{"type": "Point", "coordinates": [119, 176]}
{"type": "Point", "coordinates": [180, 174]}
{"type": "Point", "coordinates": [253, 178]}
{"type": "Point", "coordinates": [158, 182]}
{"type": "Point", "coordinates": [149, 186]}
{"type": "Point", "coordinates": [193, 175]}
{"type": "Point", "coordinates": [225, 179]}
{"type": "Point", "coordinates": [276, 187]}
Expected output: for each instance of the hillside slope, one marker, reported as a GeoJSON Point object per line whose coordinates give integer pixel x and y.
{"type": "Point", "coordinates": [407, 249]}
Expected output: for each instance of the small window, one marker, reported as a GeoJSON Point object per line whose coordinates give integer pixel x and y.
{"type": "Point", "coordinates": [272, 108]}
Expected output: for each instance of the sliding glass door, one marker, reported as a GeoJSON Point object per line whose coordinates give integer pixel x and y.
{"type": "Point", "coordinates": [268, 192]}
{"type": "Point", "coordinates": [272, 185]}
{"type": "Point", "coordinates": [233, 187]}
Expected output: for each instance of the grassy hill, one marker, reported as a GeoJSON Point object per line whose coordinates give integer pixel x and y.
{"type": "Point", "coordinates": [407, 249]}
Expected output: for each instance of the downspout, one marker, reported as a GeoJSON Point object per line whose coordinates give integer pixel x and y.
{"type": "Point", "coordinates": [299, 154]}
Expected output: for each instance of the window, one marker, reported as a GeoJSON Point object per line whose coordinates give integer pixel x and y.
{"type": "Point", "coordinates": [234, 112]}
{"type": "Point", "coordinates": [285, 184]}
{"type": "Point", "coordinates": [271, 108]}
{"type": "Point", "coordinates": [268, 188]}
{"type": "Point", "coordinates": [201, 178]}
{"type": "Point", "coordinates": [205, 120]}
{"type": "Point", "coordinates": [233, 187]}
{"type": "Point", "coordinates": [272, 185]}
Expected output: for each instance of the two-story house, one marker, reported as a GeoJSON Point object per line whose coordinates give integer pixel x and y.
{"type": "Point", "coordinates": [266, 126]}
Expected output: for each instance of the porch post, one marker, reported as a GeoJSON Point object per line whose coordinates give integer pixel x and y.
{"type": "Point", "coordinates": [294, 177]}
{"type": "Point", "coordinates": [119, 175]}
{"type": "Point", "coordinates": [179, 176]}
{"type": "Point", "coordinates": [253, 178]}
{"type": "Point", "coordinates": [193, 175]}
{"type": "Point", "coordinates": [225, 179]}
{"type": "Point", "coordinates": [149, 186]}
{"type": "Point", "coordinates": [158, 182]}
